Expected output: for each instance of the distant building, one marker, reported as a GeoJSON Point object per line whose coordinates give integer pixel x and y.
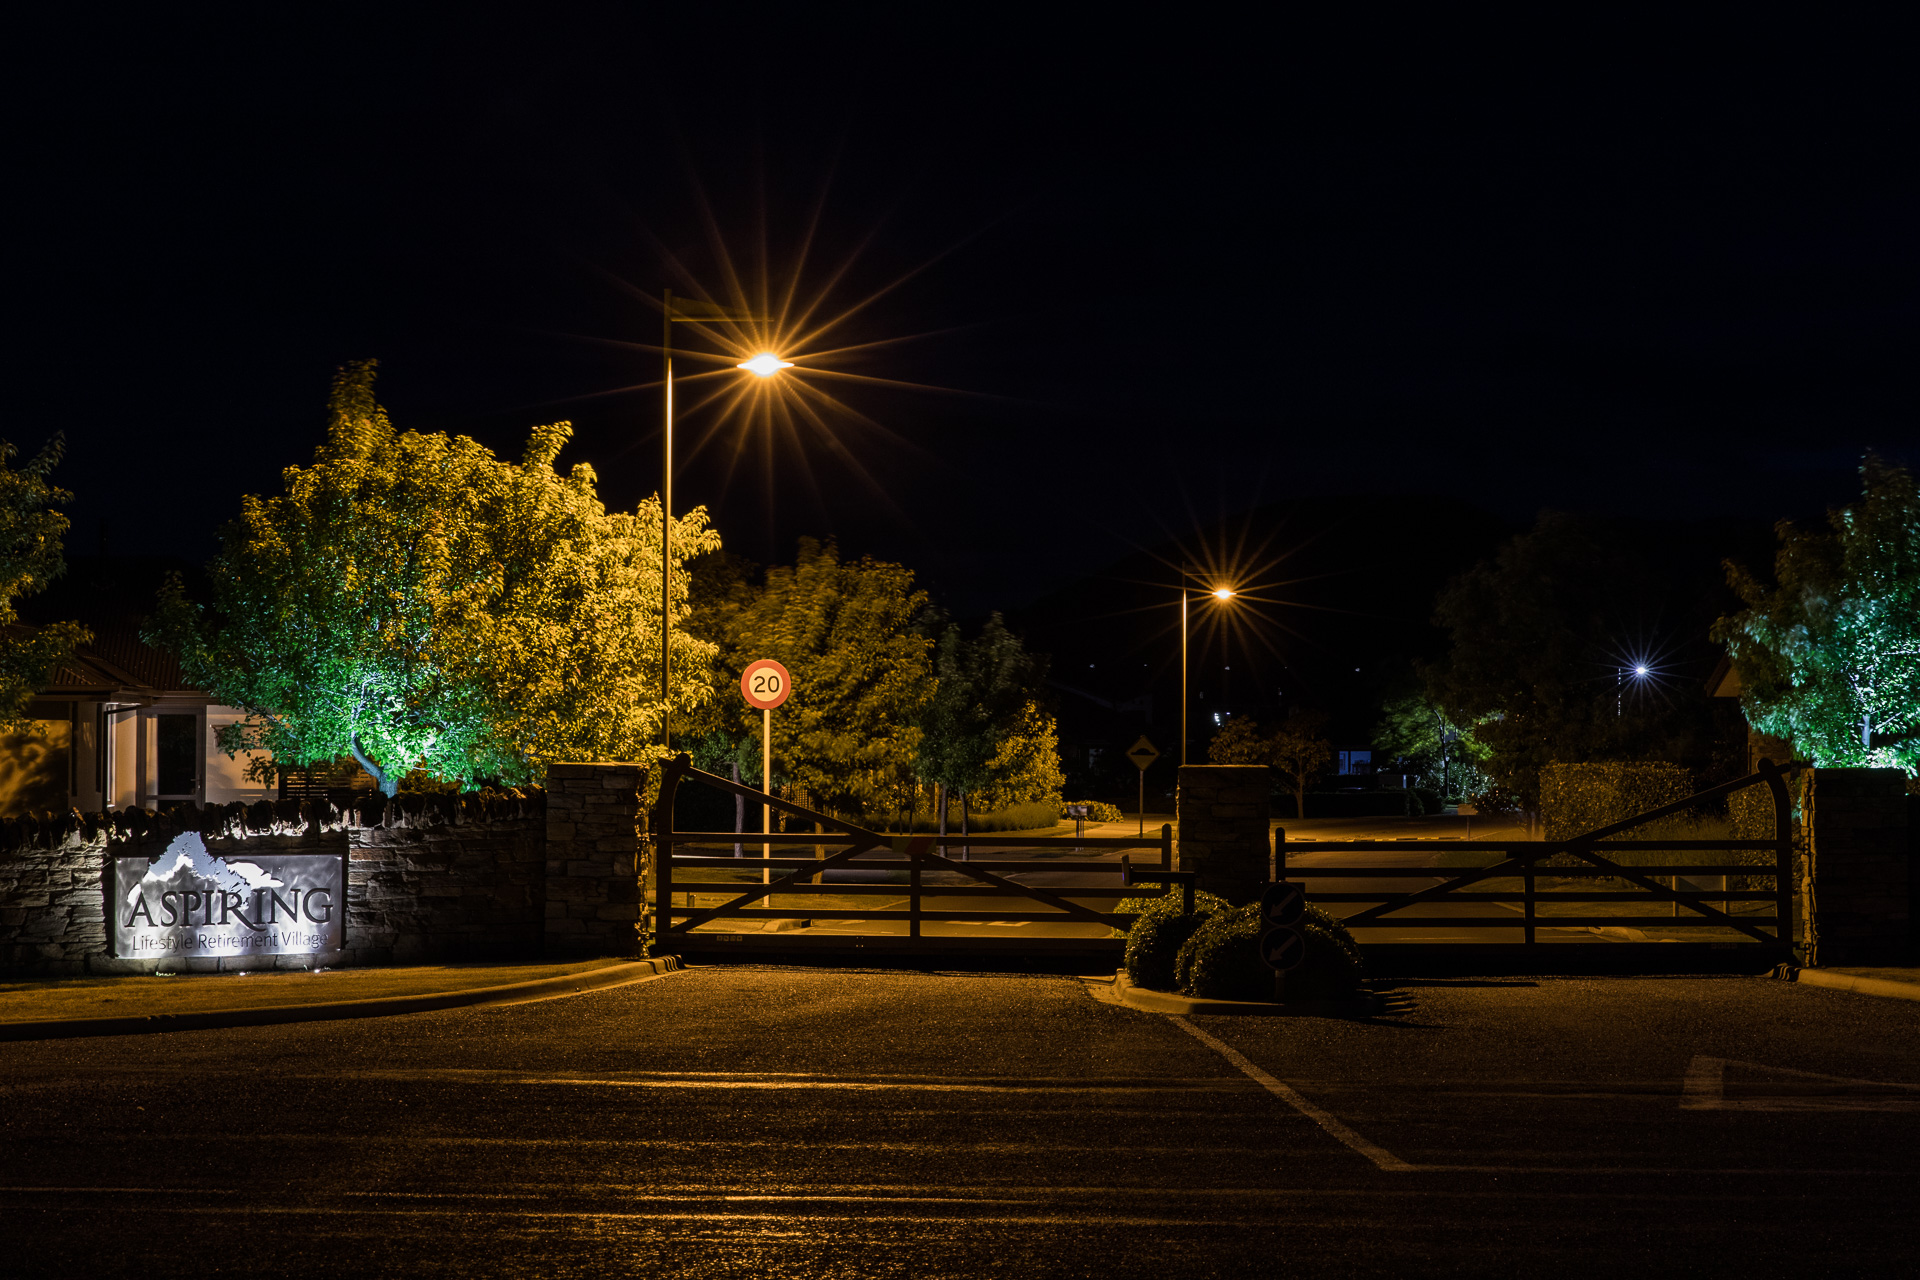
{"type": "Point", "coordinates": [118, 728]}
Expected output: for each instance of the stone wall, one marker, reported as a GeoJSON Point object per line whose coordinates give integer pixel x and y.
{"type": "Point", "coordinates": [429, 877]}
{"type": "Point", "coordinates": [1860, 868]}
{"type": "Point", "coordinates": [1223, 828]}
{"type": "Point", "coordinates": [594, 902]}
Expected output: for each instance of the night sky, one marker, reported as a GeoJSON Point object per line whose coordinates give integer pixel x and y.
{"type": "Point", "coordinates": [1156, 270]}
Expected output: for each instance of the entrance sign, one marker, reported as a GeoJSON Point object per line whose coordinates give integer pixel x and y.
{"type": "Point", "coordinates": [189, 902]}
{"type": "Point", "coordinates": [765, 684]}
{"type": "Point", "coordinates": [1143, 753]}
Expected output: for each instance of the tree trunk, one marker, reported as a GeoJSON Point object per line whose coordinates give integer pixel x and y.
{"type": "Point", "coordinates": [940, 803]}
{"type": "Point", "coordinates": [739, 812]}
{"type": "Point", "coordinates": [966, 818]}
{"type": "Point", "coordinates": [388, 783]}
{"type": "Point", "coordinates": [1300, 801]}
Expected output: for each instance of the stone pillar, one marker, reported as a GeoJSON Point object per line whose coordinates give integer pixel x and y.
{"type": "Point", "coordinates": [593, 859]}
{"type": "Point", "coordinates": [1223, 832]}
{"type": "Point", "coordinates": [1861, 868]}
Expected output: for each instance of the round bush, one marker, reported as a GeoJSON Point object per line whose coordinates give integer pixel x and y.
{"type": "Point", "coordinates": [1156, 937]}
{"type": "Point", "coordinates": [1220, 960]}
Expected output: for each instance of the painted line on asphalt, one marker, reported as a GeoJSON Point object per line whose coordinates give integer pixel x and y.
{"type": "Point", "coordinates": [1381, 1157]}
{"type": "Point", "coordinates": [1705, 1089]}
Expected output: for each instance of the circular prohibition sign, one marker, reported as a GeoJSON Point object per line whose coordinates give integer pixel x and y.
{"type": "Point", "coordinates": [765, 684]}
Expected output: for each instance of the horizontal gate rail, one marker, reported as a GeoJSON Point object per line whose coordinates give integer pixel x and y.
{"type": "Point", "coordinates": [1521, 860]}
{"type": "Point", "coordinates": [790, 874]}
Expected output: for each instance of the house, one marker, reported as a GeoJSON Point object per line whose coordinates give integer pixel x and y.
{"type": "Point", "coordinates": [118, 727]}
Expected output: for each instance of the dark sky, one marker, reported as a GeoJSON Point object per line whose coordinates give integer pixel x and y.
{"type": "Point", "coordinates": [1161, 264]}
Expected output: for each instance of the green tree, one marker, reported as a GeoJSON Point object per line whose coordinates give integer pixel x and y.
{"type": "Point", "coordinates": [1416, 729]}
{"type": "Point", "coordinates": [861, 669]}
{"type": "Point", "coordinates": [1298, 749]}
{"type": "Point", "coordinates": [1829, 655]}
{"type": "Point", "coordinates": [416, 603]}
{"type": "Point", "coordinates": [30, 558]}
{"type": "Point", "coordinates": [1025, 768]}
{"type": "Point", "coordinates": [982, 726]}
{"type": "Point", "coordinates": [1536, 659]}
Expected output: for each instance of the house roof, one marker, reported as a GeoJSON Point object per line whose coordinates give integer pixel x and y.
{"type": "Point", "coordinates": [118, 665]}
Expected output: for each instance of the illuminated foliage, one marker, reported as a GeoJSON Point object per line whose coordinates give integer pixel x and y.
{"type": "Point", "coordinates": [1829, 656]}
{"type": "Point", "coordinates": [845, 631]}
{"type": "Point", "coordinates": [419, 604]}
{"type": "Point", "coordinates": [1025, 768]}
{"type": "Point", "coordinates": [1417, 730]}
{"type": "Point", "coordinates": [983, 733]}
{"type": "Point", "coordinates": [30, 558]}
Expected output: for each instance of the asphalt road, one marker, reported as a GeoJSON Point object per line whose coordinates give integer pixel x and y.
{"type": "Point", "coordinates": [763, 1122]}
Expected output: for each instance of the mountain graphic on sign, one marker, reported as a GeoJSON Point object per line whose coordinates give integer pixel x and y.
{"type": "Point", "coordinates": [186, 864]}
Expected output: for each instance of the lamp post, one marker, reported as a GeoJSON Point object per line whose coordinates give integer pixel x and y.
{"type": "Point", "coordinates": [1222, 594]}
{"type": "Point", "coordinates": [764, 365]}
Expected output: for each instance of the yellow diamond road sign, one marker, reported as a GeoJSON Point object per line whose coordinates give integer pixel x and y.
{"type": "Point", "coordinates": [1143, 753]}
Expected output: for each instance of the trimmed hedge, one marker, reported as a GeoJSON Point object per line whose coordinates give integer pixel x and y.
{"type": "Point", "coordinates": [1156, 937]}
{"type": "Point", "coordinates": [1097, 811]}
{"type": "Point", "coordinates": [1220, 960]}
{"type": "Point", "coordinates": [1577, 798]}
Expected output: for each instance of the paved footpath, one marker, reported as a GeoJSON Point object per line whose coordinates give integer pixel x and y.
{"type": "Point", "coordinates": [762, 1122]}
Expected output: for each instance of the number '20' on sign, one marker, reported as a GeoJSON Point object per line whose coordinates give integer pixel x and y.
{"type": "Point", "coordinates": [765, 684]}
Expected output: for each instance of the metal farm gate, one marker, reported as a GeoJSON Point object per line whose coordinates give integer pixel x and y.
{"type": "Point", "coordinates": [843, 890]}
{"type": "Point", "coordinates": [1593, 902]}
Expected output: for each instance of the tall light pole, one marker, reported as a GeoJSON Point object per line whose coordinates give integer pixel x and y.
{"type": "Point", "coordinates": [764, 365]}
{"type": "Point", "coordinates": [1222, 594]}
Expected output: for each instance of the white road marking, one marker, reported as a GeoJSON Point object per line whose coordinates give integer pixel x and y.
{"type": "Point", "coordinates": [1705, 1089]}
{"type": "Point", "coordinates": [1381, 1157]}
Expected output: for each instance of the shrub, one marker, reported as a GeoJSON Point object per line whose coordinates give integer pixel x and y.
{"type": "Point", "coordinates": [1220, 960]}
{"type": "Point", "coordinates": [1097, 811]}
{"type": "Point", "coordinates": [1431, 802]}
{"type": "Point", "coordinates": [1577, 798]}
{"type": "Point", "coordinates": [1157, 936]}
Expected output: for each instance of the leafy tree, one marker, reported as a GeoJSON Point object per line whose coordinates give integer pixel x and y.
{"type": "Point", "coordinates": [861, 669]}
{"type": "Point", "coordinates": [1415, 728]}
{"type": "Point", "coordinates": [1025, 768]}
{"type": "Point", "coordinates": [1829, 656]}
{"type": "Point", "coordinates": [418, 604]}
{"type": "Point", "coordinates": [1298, 749]}
{"type": "Point", "coordinates": [30, 558]}
{"type": "Point", "coordinates": [983, 726]}
{"type": "Point", "coordinates": [1537, 650]}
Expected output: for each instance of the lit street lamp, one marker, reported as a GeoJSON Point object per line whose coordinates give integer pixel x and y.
{"type": "Point", "coordinates": [1221, 594]}
{"type": "Point", "coordinates": [764, 365]}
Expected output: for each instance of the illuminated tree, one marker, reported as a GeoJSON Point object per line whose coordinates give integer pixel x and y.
{"type": "Point", "coordinates": [30, 558]}
{"type": "Point", "coordinates": [416, 603]}
{"type": "Point", "coordinates": [1416, 729]}
{"type": "Point", "coordinates": [845, 631]}
{"type": "Point", "coordinates": [1829, 656]}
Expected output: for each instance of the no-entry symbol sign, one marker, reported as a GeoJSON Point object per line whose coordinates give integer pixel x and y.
{"type": "Point", "coordinates": [765, 684]}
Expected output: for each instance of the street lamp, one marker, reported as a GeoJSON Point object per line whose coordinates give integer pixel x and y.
{"type": "Point", "coordinates": [1221, 594]}
{"type": "Point", "coordinates": [764, 365]}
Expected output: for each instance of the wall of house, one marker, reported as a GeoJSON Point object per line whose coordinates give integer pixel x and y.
{"type": "Point", "coordinates": [429, 877]}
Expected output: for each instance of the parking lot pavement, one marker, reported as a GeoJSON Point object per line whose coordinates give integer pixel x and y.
{"type": "Point", "coordinates": [842, 1122]}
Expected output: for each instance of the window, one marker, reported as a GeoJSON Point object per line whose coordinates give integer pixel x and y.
{"type": "Point", "coordinates": [177, 750]}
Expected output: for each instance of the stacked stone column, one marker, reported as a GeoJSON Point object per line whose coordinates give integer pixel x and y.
{"type": "Point", "coordinates": [594, 901]}
{"type": "Point", "coordinates": [1861, 863]}
{"type": "Point", "coordinates": [1223, 829]}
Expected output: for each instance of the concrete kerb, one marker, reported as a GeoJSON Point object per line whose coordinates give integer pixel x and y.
{"type": "Point", "coordinates": [1124, 992]}
{"type": "Point", "coordinates": [1856, 983]}
{"type": "Point", "coordinates": [618, 975]}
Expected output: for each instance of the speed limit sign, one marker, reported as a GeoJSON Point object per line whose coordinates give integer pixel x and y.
{"type": "Point", "coordinates": [765, 684]}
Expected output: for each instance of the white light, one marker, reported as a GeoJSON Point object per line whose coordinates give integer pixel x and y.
{"type": "Point", "coordinates": [764, 365]}
{"type": "Point", "coordinates": [1640, 671]}
{"type": "Point", "coordinates": [1222, 593]}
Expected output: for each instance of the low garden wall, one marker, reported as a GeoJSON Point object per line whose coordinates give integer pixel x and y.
{"type": "Point", "coordinates": [494, 875]}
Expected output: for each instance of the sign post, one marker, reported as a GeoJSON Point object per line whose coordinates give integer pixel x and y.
{"type": "Point", "coordinates": [1143, 753]}
{"type": "Point", "coordinates": [1282, 946]}
{"type": "Point", "coordinates": [765, 684]}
